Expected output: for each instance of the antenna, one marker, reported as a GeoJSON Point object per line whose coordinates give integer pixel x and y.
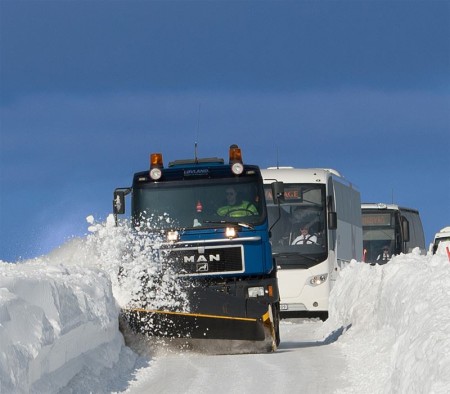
{"type": "Point", "coordinates": [278, 162]}
{"type": "Point", "coordinates": [198, 129]}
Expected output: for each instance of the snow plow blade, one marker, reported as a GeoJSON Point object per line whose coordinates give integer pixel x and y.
{"type": "Point", "coordinates": [203, 332]}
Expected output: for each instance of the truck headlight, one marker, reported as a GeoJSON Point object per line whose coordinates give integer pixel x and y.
{"type": "Point", "coordinates": [237, 168]}
{"type": "Point", "coordinates": [155, 173]}
{"type": "Point", "coordinates": [172, 236]}
{"type": "Point", "coordinates": [256, 291]}
{"type": "Point", "coordinates": [230, 232]}
{"type": "Point", "coordinates": [317, 280]}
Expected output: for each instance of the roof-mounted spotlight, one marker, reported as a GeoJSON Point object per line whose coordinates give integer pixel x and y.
{"type": "Point", "coordinates": [156, 165]}
{"type": "Point", "coordinates": [236, 160]}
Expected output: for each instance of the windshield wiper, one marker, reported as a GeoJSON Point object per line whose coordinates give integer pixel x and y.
{"type": "Point", "coordinates": [290, 255]}
{"type": "Point", "coordinates": [228, 222]}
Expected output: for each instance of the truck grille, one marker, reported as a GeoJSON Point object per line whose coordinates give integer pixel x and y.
{"type": "Point", "coordinates": [208, 260]}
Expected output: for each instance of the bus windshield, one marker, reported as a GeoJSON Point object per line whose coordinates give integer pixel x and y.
{"type": "Point", "coordinates": [194, 203]}
{"type": "Point", "coordinates": [379, 235]}
{"type": "Point", "coordinates": [299, 239]}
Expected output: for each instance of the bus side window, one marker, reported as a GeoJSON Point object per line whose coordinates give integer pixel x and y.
{"type": "Point", "coordinates": [406, 229]}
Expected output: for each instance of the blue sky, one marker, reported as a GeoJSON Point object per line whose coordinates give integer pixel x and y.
{"type": "Point", "coordinates": [89, 88]}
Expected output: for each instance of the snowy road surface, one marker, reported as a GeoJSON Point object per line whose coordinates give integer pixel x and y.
{"type": "Point", "coordinates": [303, 363]}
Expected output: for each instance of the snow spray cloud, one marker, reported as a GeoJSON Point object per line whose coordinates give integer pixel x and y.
{"type": "Point", "coordinates": [136, 258]}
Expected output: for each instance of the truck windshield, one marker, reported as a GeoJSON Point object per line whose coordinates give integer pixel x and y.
{"type": "Point", "coordinates": [299, 237]}
{"type": "Point", "coordinates": [379, 234]}
{"type": "Point", "coordinates": [206, 203]}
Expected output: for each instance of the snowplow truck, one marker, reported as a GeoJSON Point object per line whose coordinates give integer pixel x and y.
{"type": "Point", "coordinates": [216, 240]}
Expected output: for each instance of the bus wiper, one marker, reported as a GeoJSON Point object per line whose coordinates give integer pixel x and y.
{"type": "Point", "coordinates": [288, 254]}
{"type": "Point", "coordinates": [228, 222]}
{"type": "Point", "coordinates": [315, 259]}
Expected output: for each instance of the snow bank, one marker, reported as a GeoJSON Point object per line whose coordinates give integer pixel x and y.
{"type": "Point", "coordinates": [54, 321]}
{"type": "Point", "coordinates": [397, 322]}
{"type": "Point", "coordinates": [59, 314]}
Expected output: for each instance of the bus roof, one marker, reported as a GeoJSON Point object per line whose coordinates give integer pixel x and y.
{"type": "Point", "coordinates": [383, 206]}
{"type": "Point", "coordinates": [444, 232]}
{"type": "Point", "coordinates": [296, 175]}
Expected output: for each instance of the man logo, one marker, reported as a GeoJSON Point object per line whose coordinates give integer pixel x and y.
{"type": "Point", "coordinates": [202, 267]}
{"type": "Point", "coordinates": [202, 258]}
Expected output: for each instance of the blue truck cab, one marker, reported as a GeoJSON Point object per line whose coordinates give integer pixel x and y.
{"type": "Point", "coordinates": [214, 219]}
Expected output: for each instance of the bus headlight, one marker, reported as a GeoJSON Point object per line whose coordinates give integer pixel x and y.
{"type": "Point", "coordinates": [317, 280]}
{"type": "Point", "coordinates": [254, 292]}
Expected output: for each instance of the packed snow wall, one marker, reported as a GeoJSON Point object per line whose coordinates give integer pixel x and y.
{"type": "Point", "coordinates": [54, 321]}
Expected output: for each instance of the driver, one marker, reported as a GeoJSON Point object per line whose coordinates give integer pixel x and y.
{"type": "Point", "coordinates": [305, 238]}
{"type": "Point", "coordinates": [235, 207]}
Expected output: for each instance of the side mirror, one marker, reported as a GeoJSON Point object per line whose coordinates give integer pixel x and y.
{"type": "Point", "coordinates": [432, 248]}
{"type": "Point", "coordinates": [277, 196]}
{"type": "Point", "coordinates": [119, 200]}
{"type": "Point", "coordinates": [277, 192]}
{"type": "Point", "coordinates": [332, 220]}
{"type": "Point", "coordinates": [405, 229]}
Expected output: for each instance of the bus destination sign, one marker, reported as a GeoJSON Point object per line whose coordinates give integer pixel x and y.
{"type": "Point", "coordinates": [291, 193]}
{"type": "Point", "coordinates": [378, 219]}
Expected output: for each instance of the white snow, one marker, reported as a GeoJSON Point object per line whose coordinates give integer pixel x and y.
{"type": "Point", "coordinates": [397, 318]}
{"type": "Point", "coordinates": [388, 331]}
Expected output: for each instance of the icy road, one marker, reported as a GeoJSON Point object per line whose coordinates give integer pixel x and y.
{"type": "Point", "coordinates": [301, 364]}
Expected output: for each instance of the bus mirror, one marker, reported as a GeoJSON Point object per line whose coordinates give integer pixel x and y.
{"type": "Point", "coordinates": [405, 229]}
{"type": "Point", "coordinates": [332, 220]}
{"type": "Point", "coordinates": [277, 192]}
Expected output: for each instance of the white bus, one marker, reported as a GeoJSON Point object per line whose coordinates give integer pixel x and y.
{"type": "Point", "coordinates": [390, 229]}
{"type": "Point", "coordinates": [442, 236]}
{"type": "Point", "coordinates": [322, 200]}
